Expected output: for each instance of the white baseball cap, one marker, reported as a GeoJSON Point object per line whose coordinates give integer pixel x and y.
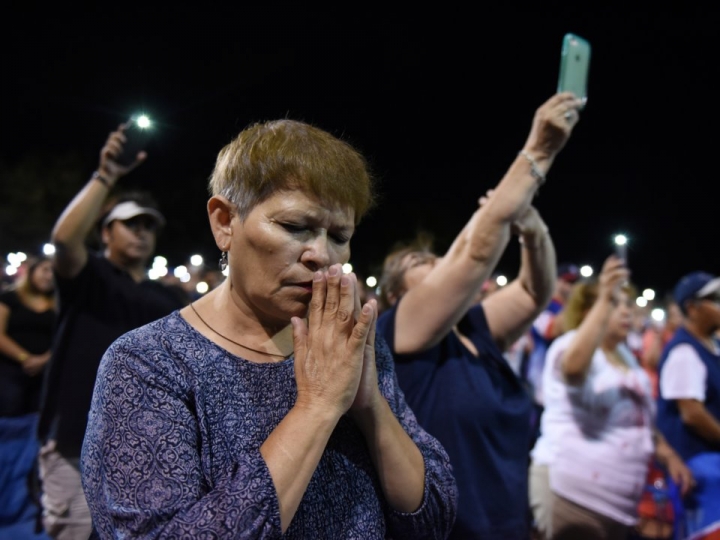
{"type": "Point", "coordinates": [130, 209]}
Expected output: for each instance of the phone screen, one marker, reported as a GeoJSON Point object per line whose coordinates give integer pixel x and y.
{"type": "Point", "coordinates": [137, 139]}
{"type": "Point", "coordinates": [574, 66]}
{"type": "Point", "coordinates": [621, 252]}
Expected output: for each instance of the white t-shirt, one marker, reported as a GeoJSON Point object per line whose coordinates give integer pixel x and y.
{"type": "Point", "coordinates": [597, 437]}
{"type": "Point", "coordinates": [683, 375]}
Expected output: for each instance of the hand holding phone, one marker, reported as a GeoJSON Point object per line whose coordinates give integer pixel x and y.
{"type": "Point", "coordinates": [574, 66]}
{"type": "Point", "coordinates": [621, 242]}
{"type": "Point", "coordinates": [137, 135]}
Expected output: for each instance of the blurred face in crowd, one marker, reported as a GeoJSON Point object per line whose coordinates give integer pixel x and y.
{"type": "Point", "coordinates": [563, 288]}
{"type": "Point", "coordinates": [621, 318]}
{"type": "Point", "coordinates": [41, 278]}
{"type": "Point", "coordinates": [674, 317]}
{"type": "Point", "coordinates": [130, 242]}
{"type": "Point", "coordinates": [417, 267]}
{"type": "Point", "coordinates": [705, 312]}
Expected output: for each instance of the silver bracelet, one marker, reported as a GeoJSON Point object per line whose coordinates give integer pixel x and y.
{"type": "Point", "coordinates": [535, 170]}
{"type": "Point", "coordinates": [100, 178]}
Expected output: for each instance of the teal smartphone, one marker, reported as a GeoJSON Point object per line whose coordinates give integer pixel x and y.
{"type": "Point", "coordinates": [574, 66]}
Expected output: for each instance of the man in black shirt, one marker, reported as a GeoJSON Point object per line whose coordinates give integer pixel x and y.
{"type": "Point", "coordinates": [101, 297]}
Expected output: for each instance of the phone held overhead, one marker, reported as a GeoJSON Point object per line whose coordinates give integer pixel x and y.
{"type": "Point", "coordinates": [574, 66]}
{"type": "Point", "coordinates": [138, 130]}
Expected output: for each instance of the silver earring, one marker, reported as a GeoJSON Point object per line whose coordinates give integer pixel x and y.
{"type": "Point", "coordinates": [223, 263]}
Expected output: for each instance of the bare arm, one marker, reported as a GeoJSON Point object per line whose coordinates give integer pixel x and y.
{"type": "Point", "coordinates": [396, 457]}
{"type": "Point", "coordinates": [676, 467]}
{"type": "Point", "coordinates": [31, 363]}
{"type": "Point", "coordinates": [292, 453]}
{"type": "Point", "coordinates": [79, 217]}
{"type": "Point", "coordinates": [421, 321]}
{"type": "Point", "coordinates": [8, 346]}
{"type": "Point", "coordinates": [695, 416]}
{"type": "Point", "coordinates": [578, 356]}
{"type": "Point", "coordinates": [511, 311]}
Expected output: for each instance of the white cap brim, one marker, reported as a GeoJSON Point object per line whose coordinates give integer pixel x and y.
{"type": "Point", "coordinates": [710, 287]}
{"type": "Point", "coordinates": [130, 209]}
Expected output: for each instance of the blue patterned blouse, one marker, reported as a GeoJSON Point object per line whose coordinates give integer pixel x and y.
{"type": "Point", "coordinates": [172, 449]}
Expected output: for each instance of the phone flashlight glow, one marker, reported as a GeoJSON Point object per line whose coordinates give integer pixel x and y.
{"type": "Point", "coordinates": [143, 121]}
{"type": "Point", "coordinates": [621, 242]}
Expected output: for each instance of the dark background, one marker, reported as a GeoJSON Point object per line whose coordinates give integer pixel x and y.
{"type": "Point", "coordinates": [439, 98]}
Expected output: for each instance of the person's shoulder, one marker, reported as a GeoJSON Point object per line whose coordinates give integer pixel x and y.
{"type": "Point", "coordinates": [95, 265]}
{"type": "Point", "coordinates": [150, 353]}
{"type": "Point", "coordinates": [682, 352]}
{"type": "Point", "coordinates": [159, 332]}
{"type": "Point", "coordinates": [10, 298]}
{"type": "Point", "coordinates": [562, 340]}
{"type": "Point", "coordinates": [172, 294]}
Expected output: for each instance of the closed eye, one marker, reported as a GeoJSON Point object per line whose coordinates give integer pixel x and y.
{"type": "Point", "coordinates": [340, 238]}
{"type": "Point", "coordinates": [293, 228]}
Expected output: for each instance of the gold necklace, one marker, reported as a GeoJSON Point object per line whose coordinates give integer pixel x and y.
{"type": "Point", "coordinates": [192, 305]}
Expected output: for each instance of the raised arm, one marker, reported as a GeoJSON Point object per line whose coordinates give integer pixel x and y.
{"type": "Point", "coordinates": [577, 358]}
{"type": "Point", "coordinates": [421, 320]}
{"type": "Point", "coordinates": [511, 311]}
{"type": "Point", "coordinates": [79, 217]}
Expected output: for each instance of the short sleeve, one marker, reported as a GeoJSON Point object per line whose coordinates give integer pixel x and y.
{"type": "Point", "coordinates": [543, 322]}
{"type": "Point", "coordinates": [683, 375]}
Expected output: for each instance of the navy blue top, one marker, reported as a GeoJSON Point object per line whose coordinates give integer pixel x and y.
{"type": "Point", "coordinates": [686, 442]}
{"type": "Point", "coordinates": [478, 409]}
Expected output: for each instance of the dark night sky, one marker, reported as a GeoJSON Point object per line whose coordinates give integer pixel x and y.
{"type": "Point", "coordinates": [439, 101]}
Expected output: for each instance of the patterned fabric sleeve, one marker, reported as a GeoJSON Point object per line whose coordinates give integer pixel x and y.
{"type": "Point", "coordinates": [436, 515]}
{"type": "Point", "coordinates": [143, 456]}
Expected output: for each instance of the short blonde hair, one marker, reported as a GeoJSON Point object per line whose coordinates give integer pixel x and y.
{"type": "Point", "coordinates": [392, 284]}
{"type": "Point", "coordinates": [287, 154]}
{"type": "Point", "coordinates": [581, 300]}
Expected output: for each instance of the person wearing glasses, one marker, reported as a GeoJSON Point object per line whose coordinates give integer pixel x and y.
{"type": "Point", "coordinates": [689, 401]}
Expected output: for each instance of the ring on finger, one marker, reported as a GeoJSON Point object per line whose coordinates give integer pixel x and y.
{"type": "Point", "coordinates": [569, 115]}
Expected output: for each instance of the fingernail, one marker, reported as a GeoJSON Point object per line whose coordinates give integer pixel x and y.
{"type": "Point", "coordinates": [317, 276]}
{"type": "Point", "coordinates": [333, 271]}
{"type": "Point", "coordinates": [366, 309]}
{"type": "Point", "coordinates": [344, 281]}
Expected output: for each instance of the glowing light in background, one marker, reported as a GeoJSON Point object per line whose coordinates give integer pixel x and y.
{"type": "Point", "coordinates": [202, 287]}
{"type": "Point", "coordinates": [658, 314]}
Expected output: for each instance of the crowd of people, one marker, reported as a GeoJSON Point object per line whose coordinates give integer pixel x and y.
{"type": "Point", "coordinates": [288, 402]}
